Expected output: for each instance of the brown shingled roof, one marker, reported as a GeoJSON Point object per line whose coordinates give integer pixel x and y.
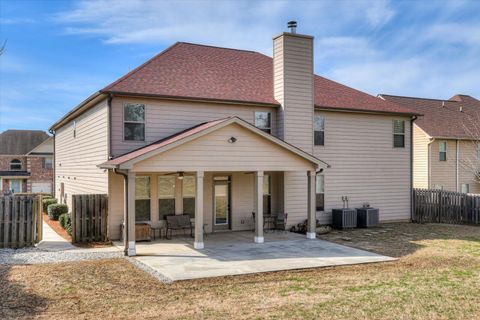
{"type": "Point", "coordinates": [443, 118]}
{"type": "Point", "coordinates": [194, 71]}
{"type": "Point", "coordinates": [20, 142]}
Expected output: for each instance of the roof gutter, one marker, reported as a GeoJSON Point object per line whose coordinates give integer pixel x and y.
{"type": "Point", "coordinates": [346, 109]}
{"type": "Point", "coordinates": [190, 99]}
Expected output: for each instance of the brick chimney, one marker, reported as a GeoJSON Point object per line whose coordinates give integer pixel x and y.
{"type": "Point", "coordinates": [293, 87]}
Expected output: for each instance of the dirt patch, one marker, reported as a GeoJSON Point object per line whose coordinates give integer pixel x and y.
{"type": "Point", "coordinates": [436, 277]}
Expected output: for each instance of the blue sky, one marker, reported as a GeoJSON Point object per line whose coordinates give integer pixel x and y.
{"type": "Point", "coordinates": [59, 52]}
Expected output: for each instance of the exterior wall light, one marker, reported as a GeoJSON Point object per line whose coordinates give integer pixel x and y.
{"type": "Point", "coordinates": [232, 140]}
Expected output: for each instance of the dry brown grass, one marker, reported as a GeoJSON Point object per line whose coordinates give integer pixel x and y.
{"type": "Point", "coordinates": [436, 277]}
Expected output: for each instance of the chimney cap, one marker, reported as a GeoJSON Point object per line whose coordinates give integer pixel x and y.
{"type": "Point", "coordinates": [292, 25]}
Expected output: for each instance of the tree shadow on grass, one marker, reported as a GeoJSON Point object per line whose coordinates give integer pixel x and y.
{"type": "Point", "coordinates": [402, 239]}
{"type": "Point", "coordinates": [15, 300]}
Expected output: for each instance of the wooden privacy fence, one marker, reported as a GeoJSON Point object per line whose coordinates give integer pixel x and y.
{"type": "Point", "coordinates": [89, 217]}
{"type": "Point", "coordinates": [438, 206]}
{"type": "Point", "coordinates": [20, 221]}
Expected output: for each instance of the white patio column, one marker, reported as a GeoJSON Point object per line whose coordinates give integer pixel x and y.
{"type": "Point", "coordinates": [131, 214]}
{"type": "Point", "coordinates": [259, 207]}
{"type": "Point", "coordinates": [198, 243]}
{"type": "Point", "coordinates": [312, 210]}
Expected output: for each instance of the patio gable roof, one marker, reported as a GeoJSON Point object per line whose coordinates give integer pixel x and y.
{"type": "Point", "coordinates": [127, 160]}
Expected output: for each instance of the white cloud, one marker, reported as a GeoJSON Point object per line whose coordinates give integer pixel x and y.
{"type": "Point", "coordinates": [344, 46]}
{"type": "Point", "coordinates": [379, 13]}
{"type": "Point", "coordinates": [455, 33]}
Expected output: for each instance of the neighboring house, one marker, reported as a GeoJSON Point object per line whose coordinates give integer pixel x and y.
{"type": "Point", "coordinates": [220, 133]}
{"type": "Point", "coordinates": [446, 142]}
{"type": "Point", "coordinates": [26, 161]}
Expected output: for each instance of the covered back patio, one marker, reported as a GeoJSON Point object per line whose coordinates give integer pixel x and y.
{"type": "Point", "coordinates": [229, 162]}
{"type": "Point", "coordinates": [233, 253]}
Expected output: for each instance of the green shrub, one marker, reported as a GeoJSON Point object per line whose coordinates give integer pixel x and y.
{"type": "Point", "coordinates": [55, 210]}
{"type": "Point", "coordinates": [47, 202]}
{"type": "Point", "coordinates": [66, 222]}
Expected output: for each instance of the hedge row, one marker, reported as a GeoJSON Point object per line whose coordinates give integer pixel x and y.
{"type": "Point", "coordinates": [55, 210]}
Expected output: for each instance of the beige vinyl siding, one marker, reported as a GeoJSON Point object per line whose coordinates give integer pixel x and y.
{"type": "Point", "coordinates": [213, 152]}
{"type": "Point", "coordinates": [420, 158]}
{"type": "Point", "coordinates": [278, 83]}
{"type": "Point", "coordinates": [296, 196]}
{"type": "Point", "coordinates": [364, 165]}
{"type": "Point", "coordinates": [293, 73]}
{"type": "Point", "coordinates": [76, 159]}
{"type": "Point", "coordinates": [242, 184]}
{"type": "Point", "coordinates": [164, 118]}
{"type": "Point", "coordinates": [443, 173]}
{"type": "Point", "coordinates": [468, 161]}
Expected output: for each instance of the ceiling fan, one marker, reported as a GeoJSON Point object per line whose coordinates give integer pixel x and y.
{"type": "Point", "coordinates": [179, 174]}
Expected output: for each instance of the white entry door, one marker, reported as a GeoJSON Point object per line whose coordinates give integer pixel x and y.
{"type": "Point", "coordinates": [43, 187]}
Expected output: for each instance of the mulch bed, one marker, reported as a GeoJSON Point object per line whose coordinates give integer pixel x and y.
{"type": "Point", "coordinates": [55, 225]}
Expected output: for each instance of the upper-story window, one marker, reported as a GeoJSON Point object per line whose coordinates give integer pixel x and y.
{"type": "Point", "coordinates": [47, 163]}
{"type": "Point", "coordinates": [134, 122]}
{"type": "Point", "coordinates": [263, 121]}
{"type": "Point", "coordinates": [398, 133]}
{"type": "Point", "coordinates": [442, 150]}
{"type": "Point", "coordinates": [319, 130]}
{"type": "Point", "coordinates": [15, 164]}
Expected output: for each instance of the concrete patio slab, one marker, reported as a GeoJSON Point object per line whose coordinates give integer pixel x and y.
{"type": "Point", "coordinates": [235, 253]}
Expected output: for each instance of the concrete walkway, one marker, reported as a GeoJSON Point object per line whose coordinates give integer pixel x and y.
{"type": "Point", "coordinates": [52, 241]}
{"type": "Point", "coordinates": [235, 253]}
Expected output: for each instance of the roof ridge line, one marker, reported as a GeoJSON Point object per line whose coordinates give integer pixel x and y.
{"type": "Point", "coordinates": [418, 98]}
{"type": "Point", "coordinates": [217, 47]}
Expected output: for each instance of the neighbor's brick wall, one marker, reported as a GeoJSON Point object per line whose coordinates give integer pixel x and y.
{"type": "Point", "coordinates": [5, 162]}
{"type": "Point", "coordinates": [37, 172]}
{"type": "Point", "coordinates": [5, 166]}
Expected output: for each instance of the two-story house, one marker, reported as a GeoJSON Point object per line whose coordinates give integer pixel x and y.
{"type": "Point", "coordinates": [446, 145]}
{"type": "Point", "coordinates": [220, 133]}
{"type": "Point", "coordinates": [26, 161]}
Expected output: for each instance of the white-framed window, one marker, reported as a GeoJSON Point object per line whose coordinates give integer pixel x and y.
{"type": "Point", "coordinates": [263, 121]}
{"type": "Point", "coordinates": [188, 195]}
{"type": "Point", "coordinates": [320, 192]}
{"type": "Point", "coordinates": [438, 187]}
{"type": "Point", "coordinates": [15, 165]}
{"type": "Point", "coordinates": [465, 188]}
{"type": "Point", "coordinates": [47, 163]}
{"type": "Point", "coordinates": [267, 194]}
{"type": "Point", "coordinates": [319, 130]}
{"type": "Point", "coordinates": [134, 122]}
{"type": "Point", "coordinates": [166, 196]}
{"type": "Point", "coordinates": [142, 198]}
{"type": "Point", "coordinates": [74, 128]}
{"type": "Point", "coordinates": [398, 133]}
{"type": "Point", "coordinates": [442, 150]}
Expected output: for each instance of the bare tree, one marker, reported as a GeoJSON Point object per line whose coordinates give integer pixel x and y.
{"type": "Point", "coordinates": [470, 160]}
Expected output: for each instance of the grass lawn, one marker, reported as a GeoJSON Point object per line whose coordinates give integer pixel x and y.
{"type": "Point", "coordinates": [437, 276]}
